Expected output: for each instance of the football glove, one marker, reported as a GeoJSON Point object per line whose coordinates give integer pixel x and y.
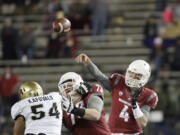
{"type": "Point", "coordinates": [68, 105]}
{"type": "Point", "coordinates": [84, 89]}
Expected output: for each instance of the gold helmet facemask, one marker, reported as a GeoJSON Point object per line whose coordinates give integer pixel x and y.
{"type": "Point", "coordinates": [30, 89]}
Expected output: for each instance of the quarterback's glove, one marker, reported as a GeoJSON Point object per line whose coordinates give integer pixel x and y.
{"type": "Point", "coordinates": [68, 105]}
{"type": "Point", "coordinates": [84, 89]}
{"type": "Point", "coordinates": [135, 97]}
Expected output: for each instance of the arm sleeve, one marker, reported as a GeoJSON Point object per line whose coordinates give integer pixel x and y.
{"type": "Point", "coordinates": [96, 102]}
{"type": "Point", "coordinates": [99, 76]}
{"type": "Point", "coordinates": [152, 100]}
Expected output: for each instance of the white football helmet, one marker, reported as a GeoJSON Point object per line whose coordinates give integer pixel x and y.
{"type": "Point", "coordinates": [69, 81]}
{"type": "Point", "coordinates": [141, 68]}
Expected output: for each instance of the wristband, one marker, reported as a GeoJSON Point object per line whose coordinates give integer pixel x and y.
{"type": "Point", "coordinates": [78, 111]}
{"type": "Point", "coordinates": [137, 112]}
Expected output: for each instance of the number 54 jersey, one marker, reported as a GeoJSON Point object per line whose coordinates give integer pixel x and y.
{"type": "Point", "coordinates": [42, 114]}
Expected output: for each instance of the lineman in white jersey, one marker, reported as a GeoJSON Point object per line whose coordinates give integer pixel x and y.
{"type": "Point", "coordinates": [37, 114]}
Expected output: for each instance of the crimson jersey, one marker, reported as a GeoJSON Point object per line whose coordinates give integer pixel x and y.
{"type": "Point", "coordinates": [121, 119]}
{"type": "Point", "coordinates": [79, 126]}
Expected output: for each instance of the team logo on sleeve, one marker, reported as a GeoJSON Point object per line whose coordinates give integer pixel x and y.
{"type": "Point", "coordinates": [120, 93]}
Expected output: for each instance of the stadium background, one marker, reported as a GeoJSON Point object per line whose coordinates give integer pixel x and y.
{"type": "Point", "coordinates": [129, 34]}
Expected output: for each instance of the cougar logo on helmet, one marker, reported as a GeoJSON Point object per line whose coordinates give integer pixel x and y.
{"type": "Point", "coordinates": [141, 69]}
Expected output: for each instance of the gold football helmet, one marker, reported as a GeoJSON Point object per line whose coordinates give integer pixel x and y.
{"type": "Point", "coordinates": [30, 89]}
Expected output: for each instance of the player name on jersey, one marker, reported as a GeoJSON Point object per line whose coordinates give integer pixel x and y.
{"type": "Point", "coordinates": [39, 99]}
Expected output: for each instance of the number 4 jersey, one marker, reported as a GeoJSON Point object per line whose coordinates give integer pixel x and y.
{"type": "Point", "coordinates": [121, 119]}
{"type": "Point", "coordinates": [42, 114]}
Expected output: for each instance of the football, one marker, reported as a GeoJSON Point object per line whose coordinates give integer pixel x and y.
{"type": "Point", "coordinates": [61, 25]}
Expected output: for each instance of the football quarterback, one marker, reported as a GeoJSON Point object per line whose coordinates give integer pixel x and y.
{"type": "Point", "coordinates": [35, 113]}
{"type": "Point", "coordinates": [130, 100]}
{"type": "Point", "coordinates": [82, 105]}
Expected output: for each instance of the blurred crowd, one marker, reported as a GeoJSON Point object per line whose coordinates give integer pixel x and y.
{"type": "Point", "coordinates": [161, 35]}
{"type": "Point", "coordinates": [162, 38]}
{"type": "Point", "coordinates": [9, 83]}
{"type": "Point", "coordinates": [20, 42]}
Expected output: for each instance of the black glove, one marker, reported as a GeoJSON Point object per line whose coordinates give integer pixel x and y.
{"type": "Point", "coordinates": [84, 89]}
{"type": "Point", "coordinates": [135, 97]}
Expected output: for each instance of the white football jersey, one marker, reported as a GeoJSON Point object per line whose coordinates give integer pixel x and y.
{"type": "Point", "coordinates": [42, 114]}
